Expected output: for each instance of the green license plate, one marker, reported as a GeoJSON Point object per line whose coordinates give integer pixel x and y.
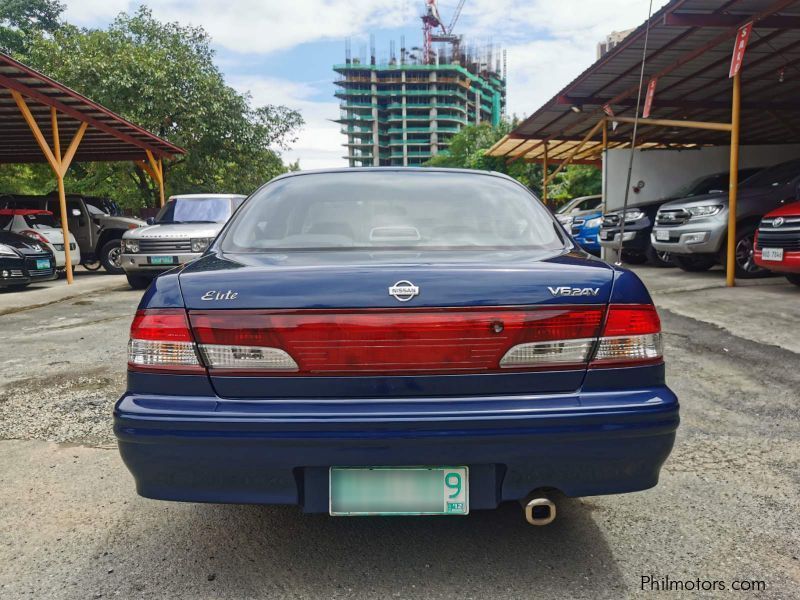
{"type": "Point", "coordinates": [163, 260]}
{"type": "Point", "coordinates": [399, 491]}
{"type": "Point", "coordinates": [42, 263]}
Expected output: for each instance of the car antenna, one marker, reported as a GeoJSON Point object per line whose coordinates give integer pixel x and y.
{"type": "Point", "coordinates": [633, 136]}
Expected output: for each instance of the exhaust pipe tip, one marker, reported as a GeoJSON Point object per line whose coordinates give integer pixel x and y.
{"type": "Point", "coordinates": [540, 511]}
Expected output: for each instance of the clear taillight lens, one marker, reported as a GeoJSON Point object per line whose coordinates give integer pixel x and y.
{"type": "Point", "coordinates": [548, 353]}
{"type": "Point", "coordinates": [246, 358]}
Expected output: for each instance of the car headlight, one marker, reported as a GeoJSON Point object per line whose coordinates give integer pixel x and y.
{"type": "Point", "coordinates": [200, 244]}
{"type": "Point", "coordinates": [7, 250]}
{"type": "Point", "coordinates": [592, 223]}
{"type": "Point", "coordinates": [633, 214]}
{"type": "Point", "coordinates": [707, 210]}
{"type": "Point", "coordinates": [130, 246]}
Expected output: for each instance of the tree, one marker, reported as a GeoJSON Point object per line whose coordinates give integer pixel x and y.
{"type": "Point", "coordinates": [467, 150]}
{"type": "Point", "coordinates": [21, 19]}
{"type": "Point", "coordinates": [162, 77]}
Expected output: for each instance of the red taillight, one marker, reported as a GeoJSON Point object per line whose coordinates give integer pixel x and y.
{"type": "Point", "coordinates": [161, 340]}
{"type": "Point", "coordinates": [631, 319]}
{"type": "Point", "coordinates": [631, 336]}
{"type": "Point", "coordinates": [35, 235]}
{"type": "Point", "coordinates": [394, 341]}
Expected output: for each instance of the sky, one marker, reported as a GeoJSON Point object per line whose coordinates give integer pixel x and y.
{"type": "Point", "coordinates": [282, 52]}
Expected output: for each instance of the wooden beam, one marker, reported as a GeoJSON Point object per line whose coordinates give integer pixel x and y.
{"type": "Point", "coordinates": [676, 123]}
{"type": "Point", "coordinates": [577, 149]}
{"type": "Point", "coordinates": [34, 127]}
{"type": "Point", "coordinates": [66, 160]}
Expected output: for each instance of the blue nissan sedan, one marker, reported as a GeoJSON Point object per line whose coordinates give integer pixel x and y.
{"type": "Point", "coordinates": [395, 341]}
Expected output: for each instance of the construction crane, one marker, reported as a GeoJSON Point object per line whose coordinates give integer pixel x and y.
{"type": "Point", "coordinates": [431, 21]}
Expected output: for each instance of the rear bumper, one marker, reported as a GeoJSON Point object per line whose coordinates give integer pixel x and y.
{"type": "Point", "coordinates": [205, 449]}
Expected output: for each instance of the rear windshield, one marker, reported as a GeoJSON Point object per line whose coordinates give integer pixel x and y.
{"type": "Point", "coordinates": [393, 210]}
{"type": "Point", "coordinates": [196, 210]}
{"type": "Point", "coordinates": [39, 221]}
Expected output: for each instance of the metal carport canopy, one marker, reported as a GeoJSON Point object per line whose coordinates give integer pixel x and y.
{"type": "Point", "coordinates": [38, 114]}
{"type": "Point", "coordinates": [696, 103]}
{"type": "Point", "coordinates": [689, 51]}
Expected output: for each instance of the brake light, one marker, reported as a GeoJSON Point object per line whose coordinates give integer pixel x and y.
{"type": "Point", "coordinates": [35, 235]}
{"type": "Point", "coordinates": [161, 340]}
{"type": "Point", "coordinates": [632, 335]}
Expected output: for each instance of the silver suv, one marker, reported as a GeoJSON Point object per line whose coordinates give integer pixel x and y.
{"type": "Point", "coordinates": [695, 231]}
{"type": "Point", "coordinates": [180, 232]}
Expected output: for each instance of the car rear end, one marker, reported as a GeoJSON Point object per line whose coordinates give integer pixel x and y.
{"type": "Point", "coordinates": [399, 372]}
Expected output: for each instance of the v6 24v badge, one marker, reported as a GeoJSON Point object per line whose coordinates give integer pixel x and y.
{"type": "Point", "coordinates": [573, 291]}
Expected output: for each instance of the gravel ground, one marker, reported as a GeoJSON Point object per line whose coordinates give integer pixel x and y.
{"type": "Point", "coordinates": [71, 525]}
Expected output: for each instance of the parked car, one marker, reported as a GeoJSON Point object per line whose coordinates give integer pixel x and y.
{"type": "Point", "coordinates": [24, 261]}
{"type": "Point", "coordinates": [637, 247]}
{"type": "Point", "coordinates": [695, 230]}
{"type": "Point", "coordinates": [98, 233]}
{"type": "Point", "coordinates": [778, 242]}
{"type": "Point", "coordinates": [354, 330]}
{"type": "Point", "coordinates": [42, 227]}
{"type": "Point", "coordinates": [586, 230]}
{"type": "Point", "coordinates": [180, 232]}
{"type": "Point", "coordinates": [578, 207]}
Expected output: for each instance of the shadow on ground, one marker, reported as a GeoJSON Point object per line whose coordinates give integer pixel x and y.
{"type": "Point", "coordinates": [244, 551]}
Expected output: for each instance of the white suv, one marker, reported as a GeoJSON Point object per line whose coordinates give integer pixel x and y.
{"type": "Point", "coordinates": [180, 232]}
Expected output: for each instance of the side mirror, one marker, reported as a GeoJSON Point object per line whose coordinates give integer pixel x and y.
{"type": "Point", "coordinates": [75, 212]}
{"type": "Point", "coordinates": [151, 220]}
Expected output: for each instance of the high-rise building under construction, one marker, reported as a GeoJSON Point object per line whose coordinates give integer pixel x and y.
{"type": "Point", "coordinates": [405, 111]}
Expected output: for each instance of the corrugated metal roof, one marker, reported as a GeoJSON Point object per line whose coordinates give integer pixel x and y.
{"type": "Point", "coordinates": [109, 137]}
{"type": "Point", "coordinates": [689, 49]}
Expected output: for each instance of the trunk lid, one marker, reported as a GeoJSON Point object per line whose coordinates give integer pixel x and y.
{"type": "Point", "coordinates": [335, 314]}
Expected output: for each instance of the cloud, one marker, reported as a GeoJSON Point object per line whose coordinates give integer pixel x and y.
{"type": "Point", "coordinates": [319, 144]}
{"type": "Point", "coordinates": [259, 26]}
{"type": "Point", "coordinates": [548, 44]}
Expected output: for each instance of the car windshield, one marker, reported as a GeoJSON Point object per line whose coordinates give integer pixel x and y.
{"type": "Point", "coordinates": [392, 210]}
{"type": "Point", "coordinates": [774, 176]}
{"type": "Point", "coordinates": [195, 210]}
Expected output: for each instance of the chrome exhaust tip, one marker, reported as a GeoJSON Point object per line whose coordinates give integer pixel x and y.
{"type": "Point", "coordinates": [540, 511]}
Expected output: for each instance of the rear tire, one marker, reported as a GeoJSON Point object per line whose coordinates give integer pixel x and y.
{"type": "Point", "coordinates": [110, 256]}
{"type": "Point", "coordinates": [746, 267]}
{"type": "Point", "coordinates": [694, 264]}
{"type": "Point", "coordinates": [138, 282]}
{"type": "Point", "coordinates": [659, 259]}
{"type": "Point", "coordinates": [793, 278]}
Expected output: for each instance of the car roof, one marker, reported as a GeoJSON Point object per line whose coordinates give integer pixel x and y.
{"type": "Point", "coordinates": [191, 196]}
{"type": "Point", "coordinates": [395, 169]}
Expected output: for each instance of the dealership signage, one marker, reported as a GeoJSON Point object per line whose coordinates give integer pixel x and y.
{"type": "Point", "coordinates": [742, 37]}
